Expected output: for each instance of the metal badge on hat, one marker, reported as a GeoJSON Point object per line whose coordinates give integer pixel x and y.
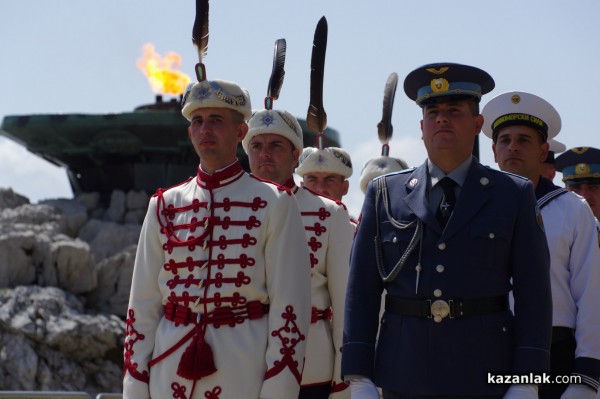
{"type": "Point", "coordinates": [316, 120]}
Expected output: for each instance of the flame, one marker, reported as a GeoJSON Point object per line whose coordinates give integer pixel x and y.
{"type": "Point", "coordinates": [162, 72]}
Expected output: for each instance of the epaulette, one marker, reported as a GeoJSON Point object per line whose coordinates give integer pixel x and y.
{"type": "Point", "coordinates": [399, 172]}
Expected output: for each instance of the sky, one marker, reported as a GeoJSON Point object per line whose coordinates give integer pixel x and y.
{"type": "Point", "coordinates": [74, 56]}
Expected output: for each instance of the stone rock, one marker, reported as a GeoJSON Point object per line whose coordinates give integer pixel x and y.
{"type": "Point", "coordinates": [10, 199]}
{"type": "Point", "coordinates": [28, 217]}
{"type": "Point", "coordinates": [75, 268]}
{"type": "Point", "coordinates": [135, 216]}
{"type": "Point", "coordinates": [108, 238]}
{"type": "Point", "coordinates": [22, 254]}
{"type": "Point", "coordinates": [137, 200]}
{"type": "Point", "coordinates": [111, 295]}
{"type": "Point", "coordinates": [90, 201]}
{"type": "Point", "coordinates": [74, 214]}
{"type": "Point", "coordinates": [116, 209]}
{"type": "Point", "coordinates": [65, 276]}
{"type": "Point", "coordinates": [57, 345]}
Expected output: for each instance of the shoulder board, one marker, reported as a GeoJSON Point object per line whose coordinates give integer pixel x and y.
{"type": "Point", "coordinates": [399, 172]}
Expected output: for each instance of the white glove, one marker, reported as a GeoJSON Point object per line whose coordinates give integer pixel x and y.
{"type": "Point", "coordinates": [578, 391]}
{"type": "Point", "coordinates": [363, 388]}
{"type": "Point", "coordinates": [522, 391]}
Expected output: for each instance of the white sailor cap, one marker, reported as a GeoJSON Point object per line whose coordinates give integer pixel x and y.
{"type": "Point", "coordinates": [520, 108]}
{"type": "Point", "coordinates": [556, 147]}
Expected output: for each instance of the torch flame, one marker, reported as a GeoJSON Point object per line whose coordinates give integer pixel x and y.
{"type": "Point", "coordinates": [162, 72]}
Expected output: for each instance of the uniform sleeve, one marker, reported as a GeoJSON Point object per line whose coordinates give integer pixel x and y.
{"type": "Point", "coordinates": [363, 296]}
{"type": "Point", "coordinates": [530, 262]}
{"type": "Point", "coordinates": [288, 286]}
{"type": "Point", "coordinates": [584, 264]}
{"type": "Point", "coordinates": [338, 265]}
{"type": "Point", "coordinates": [145, 308]}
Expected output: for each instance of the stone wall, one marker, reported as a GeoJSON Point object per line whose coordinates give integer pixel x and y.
{"type": "Point", "coordinates": [65, 276]}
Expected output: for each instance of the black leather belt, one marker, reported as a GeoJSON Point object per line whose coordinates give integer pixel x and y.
{"type": "Point", "coordinates": [560, 334]}
{"type": "Point", "coordinates": [438, 309]}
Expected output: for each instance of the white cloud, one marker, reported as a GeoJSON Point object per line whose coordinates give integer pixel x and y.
{"type": "Point", "coordinates": [30, 175]}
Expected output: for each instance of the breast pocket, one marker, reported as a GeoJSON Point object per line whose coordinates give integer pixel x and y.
{"type": "Point", "coordinates": [394, 242]}
{"type": "Point", "coordinates": [490, 240]}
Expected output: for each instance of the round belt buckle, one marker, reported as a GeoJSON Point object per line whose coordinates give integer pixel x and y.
{"type": "Point", "coordinates": [439, 310]}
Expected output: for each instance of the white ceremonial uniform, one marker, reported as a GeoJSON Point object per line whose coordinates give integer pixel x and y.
{"type": "Point", "coordinates": [223, 246]}
{"type": "Point", "coordinates": [575, 273]}
{"type": "Point", "coordinates": [329, 237]}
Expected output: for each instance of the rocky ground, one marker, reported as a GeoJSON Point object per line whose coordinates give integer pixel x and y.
{"type": "Point", "coordinates": [65, 275]}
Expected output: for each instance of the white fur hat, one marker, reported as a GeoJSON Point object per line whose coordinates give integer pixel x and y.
{"type": "Point", "coordinates": [216, 94]}
{"type": "Point", "coordinates": [379, 166]}
{"type": "Point", "coordinates": [329, 160]}
{"type": "Point", "coordinates": [275, 122]}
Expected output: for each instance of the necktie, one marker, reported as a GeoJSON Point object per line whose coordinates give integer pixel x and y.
{"type": "Point", "coordinates": [448, 201]}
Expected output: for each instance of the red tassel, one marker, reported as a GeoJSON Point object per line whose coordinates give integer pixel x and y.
{"type": "Point", "coordinates": [197, 361]}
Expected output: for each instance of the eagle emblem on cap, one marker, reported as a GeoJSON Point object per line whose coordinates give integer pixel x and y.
{"type": "Point", "coordinates": [582, 169]}
{"type": "Point", "coordinates": [437, 71]}
{"type": "Point", "coordinates": [439, 85]}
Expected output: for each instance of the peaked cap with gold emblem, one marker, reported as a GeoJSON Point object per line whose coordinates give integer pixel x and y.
{"type": "Point", "coordinates": [429, 82]}
{"type": "Point", "coordinates": [579, 165]}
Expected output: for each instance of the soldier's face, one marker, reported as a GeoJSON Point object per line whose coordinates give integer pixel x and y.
{"type": "Point", "coordinates": [591, 193]}
{"type": "Point", "coordinates": [519, 149]}
{"type": "Point", "coordinates": [272, 157]}
{"type": "Point", "coordinates": [449, 129]}
{"type": "Point", "coordinates": [215, 134]}
{"type": "Point", "coordinates": [331, 185]}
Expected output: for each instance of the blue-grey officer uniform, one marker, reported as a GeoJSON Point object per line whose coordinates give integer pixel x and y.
{"type": "Point", "coordinates": [447, 326]}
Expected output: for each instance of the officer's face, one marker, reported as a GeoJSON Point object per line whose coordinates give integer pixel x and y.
{"type": "Point", "coordinates": [215, 134]}
{"type": "Point", "coordinates": [331, 185]}
{"type": "Point", "coordinates": [272, 157]}
{"type": "Point", "coordinates": [519, 150]}
{"type": "Point", "coordinates": [449, 129]}
{"type": "Point", "coordinates": [591, 193]}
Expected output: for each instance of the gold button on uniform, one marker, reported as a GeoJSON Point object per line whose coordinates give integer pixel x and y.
{"type": "Point", "coordinates": [439, 268]}
{"type": "Point", "coordinates": [492, 235]}
{"type": "Point", "coordinates": [437, 293]}
{"type": "Point", "coordinates": [442, 246]}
